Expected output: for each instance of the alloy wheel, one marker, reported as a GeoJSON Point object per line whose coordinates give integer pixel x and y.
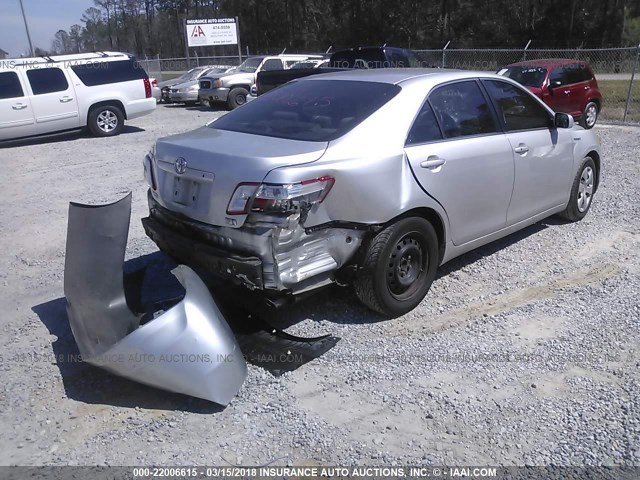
{"type": "Point", "coordinates": [585, 189]}
{"type": "Point", "coordinates": [107, 121]}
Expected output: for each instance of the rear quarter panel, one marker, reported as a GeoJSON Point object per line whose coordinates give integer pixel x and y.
{"type": "Point", "coordinates": [374, 182]}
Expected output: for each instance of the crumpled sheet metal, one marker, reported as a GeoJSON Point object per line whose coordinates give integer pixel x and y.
{"type": "Point", "coordinates": [188, 349]}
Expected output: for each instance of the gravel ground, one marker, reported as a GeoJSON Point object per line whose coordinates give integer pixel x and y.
{"type": "Point", "coordinates": [526, 351]}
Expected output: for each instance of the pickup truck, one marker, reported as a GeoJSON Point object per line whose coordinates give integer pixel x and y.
{"type": "Point", "coordinates": [360, 57]}
{"type": "Point", "coordinates": [232, 88]}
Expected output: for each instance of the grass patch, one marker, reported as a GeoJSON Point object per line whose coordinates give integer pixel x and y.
{"type": "Point", "coordinates": [615, 97]}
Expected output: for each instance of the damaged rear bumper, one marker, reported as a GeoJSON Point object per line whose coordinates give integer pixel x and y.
{"type": "Point", "coordinates": [275, 257]}
{"type": "Point", "coordinates": [188, 349]}
{"type": "Point", "coordinates": [192, 251]}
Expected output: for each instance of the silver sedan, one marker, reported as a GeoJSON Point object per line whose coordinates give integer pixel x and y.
{"type": "Point", "coordinates": [372, 178]}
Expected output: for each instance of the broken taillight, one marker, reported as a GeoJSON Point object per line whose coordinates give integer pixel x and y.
{"type": "Point", "coordinates": [278, 198]}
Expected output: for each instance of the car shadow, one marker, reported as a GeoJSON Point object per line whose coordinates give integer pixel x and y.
{"type": "Point", "coordinates": [198, 108]}
{"type": "Point", "coordinates": [67, 136]}
{"type": "Point", "coordinates": [85, 383]}
{"type": "Point", "coordinates": [340, 305]}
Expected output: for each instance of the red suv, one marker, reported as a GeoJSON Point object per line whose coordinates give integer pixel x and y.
{"type": "Point", "coordinates": [565, 85]}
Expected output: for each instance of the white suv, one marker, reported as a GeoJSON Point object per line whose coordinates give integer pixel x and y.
{"type": "Point", "coordinates": [51, 94]}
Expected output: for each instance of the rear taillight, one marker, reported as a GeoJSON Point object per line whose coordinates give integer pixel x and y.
{"type": "Point", "coordinates": [147, 87]}
{"type": "Point", "coordinates": [278, 198]}
{"type": "Point", "coordinates": [154, 83]}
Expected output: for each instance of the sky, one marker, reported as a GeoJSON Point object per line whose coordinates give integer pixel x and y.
{"type": "Point", "coordinates": [45, 18]}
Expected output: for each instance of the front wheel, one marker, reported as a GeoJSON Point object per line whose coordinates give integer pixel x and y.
{"type": "Point", "coordinates": [237, 97]}
{"type": "Point", "coordinates": [399, 266]}
{"type": "Point", "coordinates": [582, 190]}
{"type": "Point", "coordinates": [106, 121]}
{"type": "Point", "coordinates": [589, 116]}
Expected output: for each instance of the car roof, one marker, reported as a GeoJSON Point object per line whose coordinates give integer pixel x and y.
{"type": "Point", "coordinates": [398, 75]}
{"type": "Point", "coordinates": [547, 62]}
{"type": "Point", "coordinates": [76, 58]}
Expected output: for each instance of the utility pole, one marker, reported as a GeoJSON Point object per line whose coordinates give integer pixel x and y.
{"type": "Point", "coordinates": [26, 27]}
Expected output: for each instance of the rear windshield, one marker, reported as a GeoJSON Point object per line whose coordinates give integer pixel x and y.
{"type": "Point", "coordinates": [316, 111]}
{"type": "Point", "coordinates": [101, 73]}
{"type": "Point", "coordinates": [527, 76]}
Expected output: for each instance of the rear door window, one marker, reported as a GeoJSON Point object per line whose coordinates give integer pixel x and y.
{"type": "Point", "coordinates": [10, 86]}
{"type": "Point", "coordinates": [47, 80]}
{"type": "Point", "coordinates": [519, 110]}
{"type": "Point", "coordinates": [577, 73]}
{"type": "Point", "coordinates": [462, 110]}
{"type": "Point", "coordinates": [272, 64]}
{"type": "Point", "coordinates": [102, 73]}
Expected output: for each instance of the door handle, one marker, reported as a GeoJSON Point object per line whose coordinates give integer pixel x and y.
{"type": "Point", "coordinates": [521, 149]}
{"type": "Point", "coordinates": [19, 106]}
{"type": "Point", "coordinates": [66, 99]}
{"type": "Point", "coordinates": [567, 92]}
{"type": "Point", "coordinates": [587, 88]}
{"type": "Point", "coordinates": [433, 161]}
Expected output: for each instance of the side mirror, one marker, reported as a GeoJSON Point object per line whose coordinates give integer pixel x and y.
{"type": "Point", "coordinates": [553, 85]}
{"type": "Point", "coordinates": [563, 120]}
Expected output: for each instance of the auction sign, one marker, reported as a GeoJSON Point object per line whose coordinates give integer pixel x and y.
{"type": "Point", "coordinates": [212, 31]}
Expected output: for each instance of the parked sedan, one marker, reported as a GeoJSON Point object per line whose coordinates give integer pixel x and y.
{"type": "Point", "coordinates": [565, 85]}
{"type": "Point", "coordinates": [187, 92]}
{"type": "Point", "coordinates": [189, 76]}
{"type": "Point", "coordinates": [346, 178]}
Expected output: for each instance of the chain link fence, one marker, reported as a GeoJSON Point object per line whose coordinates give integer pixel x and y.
{"type": "Point", "coordinates": [617, 70]}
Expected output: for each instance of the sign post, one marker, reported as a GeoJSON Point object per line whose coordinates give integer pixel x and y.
{"type": "Point", "coordinates": [239, 47]}
{"type": "Point", "coordinates": [212, 32]}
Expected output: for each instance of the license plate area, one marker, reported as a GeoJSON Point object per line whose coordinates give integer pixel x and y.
{"type": "Point", "coordinates": [185, 191]}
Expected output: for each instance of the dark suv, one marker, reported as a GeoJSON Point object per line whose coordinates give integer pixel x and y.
{"type": "Point", "coordinates": [565, 85]}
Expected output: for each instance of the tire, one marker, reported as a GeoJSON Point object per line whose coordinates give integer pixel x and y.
{"type": "Point", "coordinates": [582, 190]}
{"type": "Point", "coordinates": [106, 121]}
{"type": "Point", "coordinates": [399, 266]}
{"type": "Point", "coordinates": [589, 116]}
{"type": "Point", "coordinates": [237, 97]}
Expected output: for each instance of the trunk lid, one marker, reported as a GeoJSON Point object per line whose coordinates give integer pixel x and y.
{"type": "Point", "coordinates": [213, 163]}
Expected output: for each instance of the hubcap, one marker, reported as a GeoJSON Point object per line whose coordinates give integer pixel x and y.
{"type": "Point", "coordinates": [107, 121]}
{"type": "Point", "coordinates": [406, 264]}
{"type": "Point", "coordinates": [585, 189]}
{"type": "Point", "coordinates": [592, 114]}
{"type": "Point", "coordinates": [240, 99]}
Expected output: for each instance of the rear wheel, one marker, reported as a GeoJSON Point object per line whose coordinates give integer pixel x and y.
{"type": "Point", "coordinates": [590, 115]}
{"type": "Point", "coordinates": [106, 121]}
{"type": "Point", "coordinates": [237, 97]}
{"type": "Point", "coordinates": [582, 190]}
{"type": "Point", "coordinates": [399, 266]}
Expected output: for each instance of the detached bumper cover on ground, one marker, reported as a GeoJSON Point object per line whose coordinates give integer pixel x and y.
{"type": "Point", "coordinates": [188, 349]}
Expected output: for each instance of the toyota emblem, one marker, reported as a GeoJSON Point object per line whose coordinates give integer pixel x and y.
{"type": "Point", "coordinates": [180, 165]}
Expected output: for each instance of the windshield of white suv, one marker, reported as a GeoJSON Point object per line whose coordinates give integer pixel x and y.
{"type": "Point", "coordinates": [250, 65]}
{"type": "Point", "coordinates": [315, 111]}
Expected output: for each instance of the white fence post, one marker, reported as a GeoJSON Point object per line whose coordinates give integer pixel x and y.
{"type": "Point", "coordinates": [444, 52]}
